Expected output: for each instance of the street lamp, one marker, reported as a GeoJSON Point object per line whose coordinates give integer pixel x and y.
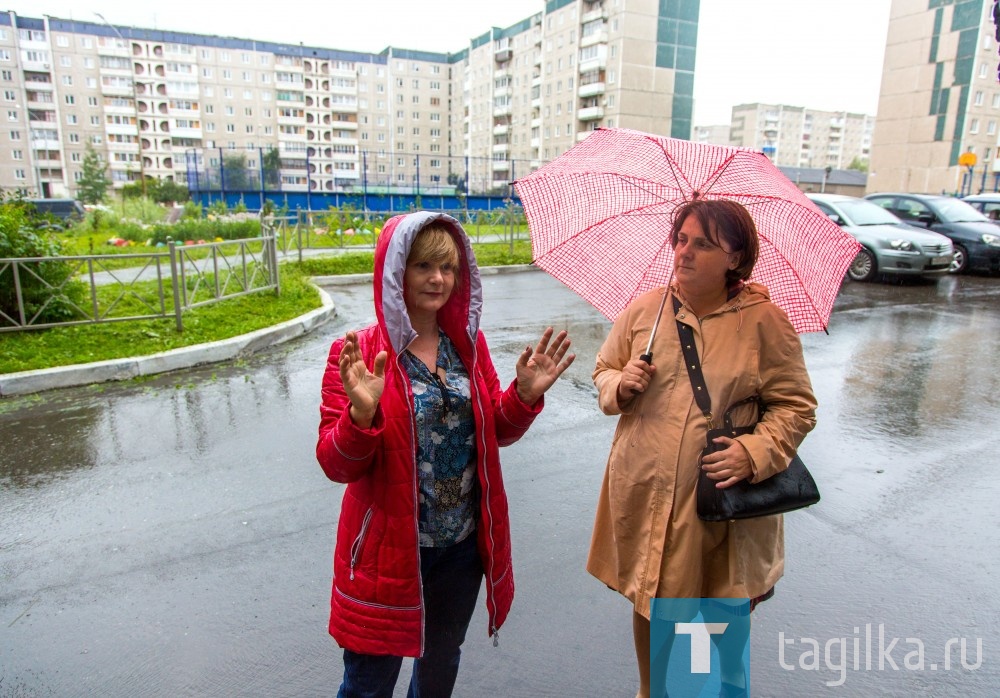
{"type": "Point", "coordinates": [135, 104]}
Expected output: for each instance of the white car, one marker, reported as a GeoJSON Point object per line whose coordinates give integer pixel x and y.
{"type": "Point", "coordinates": [888, 245]}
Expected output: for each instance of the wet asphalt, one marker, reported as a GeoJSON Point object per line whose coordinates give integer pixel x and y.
{"type": "Point", "coordinates": [173, 537]}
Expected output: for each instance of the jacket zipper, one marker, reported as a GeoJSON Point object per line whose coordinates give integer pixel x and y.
{"type": "Point", "coordinates": [416, 495]}
{"type": "Point", "coordinates": [488, 519]}
{"type": "Point", "coordinates": [360, 540]}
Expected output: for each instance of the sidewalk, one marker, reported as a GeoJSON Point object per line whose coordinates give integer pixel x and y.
{"type": "Point", "coordinates": [35, 381]}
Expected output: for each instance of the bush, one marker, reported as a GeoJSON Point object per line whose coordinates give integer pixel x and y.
{"type": "Point", "coordinates": [199, 229]}
{"type": "Point", "coordinates": [22, 234]}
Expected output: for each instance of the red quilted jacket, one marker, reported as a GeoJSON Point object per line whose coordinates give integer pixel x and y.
{"type": "Point", "coordinates": [377, 603]}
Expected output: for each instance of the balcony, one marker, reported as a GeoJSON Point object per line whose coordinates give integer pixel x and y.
{"type": "Point", "coordinates": [186, 132]}
{"type": "Point", "coordinates": [593, 15]}
{"type": "Point", "coordinates": [536, 123]}
{"type": "Point", "coordinates": [501, 129]}
{"type": "Point", "coordinates": [501, 165]}
{"type": "Point", "coordinates": [590, 113]}
{"type": "Point", "coordinates": [536, 142]}
{"type": "Point", "coordinates": [345, 125]}
{"type": "Point", "coordinates": [501, 147]}
{"type": "Point", "coordinates": [536, 103]}
{"type": "Point", "coordinates": [503, 110]}
{"type": "Point", "coordinates": [501, 51]}
{"type": "Point", "coordinates": [598, 37]}
{"type": "Point", "coordinates": [591, 90]}
{"type": "Point", "coordinates": [45, 144]}
{"type": "Point", "coordinates": [598, 62]}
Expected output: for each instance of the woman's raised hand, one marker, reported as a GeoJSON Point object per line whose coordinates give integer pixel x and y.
{"type": "Point", "coordinates": [363, 387]}
{"type": "Point", "coordinates": [539, 368]}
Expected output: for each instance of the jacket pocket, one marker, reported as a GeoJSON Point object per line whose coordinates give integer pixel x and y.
{"type": "Point", "coordinates": [359, 543]}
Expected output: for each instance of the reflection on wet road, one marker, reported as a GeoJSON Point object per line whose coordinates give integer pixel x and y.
{"type": "Point", "coordinates": [174, 536]}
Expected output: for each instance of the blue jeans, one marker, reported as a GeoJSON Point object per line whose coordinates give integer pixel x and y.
{"type": "Point", "coordinates": [451, 580]}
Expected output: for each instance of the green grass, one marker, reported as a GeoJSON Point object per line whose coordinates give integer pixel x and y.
{"type": "Point", "coordinates": [64, 346]}
{"type": "Point", "coordinates": [488, 254]}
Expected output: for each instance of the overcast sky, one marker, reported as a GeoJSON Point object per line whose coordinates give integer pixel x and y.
{"type": "Point", "coordinates": [809, 53]}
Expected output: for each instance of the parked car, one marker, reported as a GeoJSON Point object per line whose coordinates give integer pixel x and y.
{"type": "Point", "coordinates": [888, 246]}
{"type": "Point", "coordinates": [987, 204]}
{"type": "Point", "coordinates": [66, 210]}
{"type": "Point", "coordinates": [976, 239]}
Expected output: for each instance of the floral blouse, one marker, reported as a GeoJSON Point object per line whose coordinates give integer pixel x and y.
{"type": "Point", "coordinates": [446, 456]}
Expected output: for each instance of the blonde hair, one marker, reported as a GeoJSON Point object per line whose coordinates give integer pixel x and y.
{"type": "Point", "coordinates": [434, 244]}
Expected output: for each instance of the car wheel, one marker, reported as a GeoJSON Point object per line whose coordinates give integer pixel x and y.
{"type": "Point", "coordinates": [864, 267]}
{"type": "Point", "coordinates": [959, 260]}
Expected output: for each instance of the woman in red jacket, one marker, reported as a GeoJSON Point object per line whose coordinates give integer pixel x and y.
{"type": "Point", "coordinates": [412, 419]}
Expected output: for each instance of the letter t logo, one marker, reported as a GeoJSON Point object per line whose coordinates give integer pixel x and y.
{"type": "Point", "coordinates": [701, 648]}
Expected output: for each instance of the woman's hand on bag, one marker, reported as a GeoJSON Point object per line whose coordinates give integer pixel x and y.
{"type": "Point", "coordinates": [363, 387]}
{"type": "Point", "coordinates": [730, 465]}
{"type": "Point", "coordinates": [538, 369]}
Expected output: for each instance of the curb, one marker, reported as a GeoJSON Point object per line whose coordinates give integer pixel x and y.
{"type": "Point", "coordinates": [38, 380]}
{"type": "Point", "coordinates": [348, 279]}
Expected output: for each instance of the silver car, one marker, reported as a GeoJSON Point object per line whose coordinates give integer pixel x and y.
{"type": "Point", "coordinates": [888, 246]}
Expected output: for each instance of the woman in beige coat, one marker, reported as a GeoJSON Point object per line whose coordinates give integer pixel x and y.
{"type": "Point", "coordinates": [648, 541]}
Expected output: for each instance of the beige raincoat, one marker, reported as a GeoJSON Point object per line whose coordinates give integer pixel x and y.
{"type": "Point", "coordinates": [648, 540]}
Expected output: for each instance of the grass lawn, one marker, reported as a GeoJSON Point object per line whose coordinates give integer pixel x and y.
{"type": "Point", "coordinates": [64, 346]}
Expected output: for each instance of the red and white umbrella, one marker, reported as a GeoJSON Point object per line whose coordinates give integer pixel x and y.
{"type": "Point", "coordinates": [600, 217]}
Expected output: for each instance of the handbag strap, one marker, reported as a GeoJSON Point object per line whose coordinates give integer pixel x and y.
{"type": "Point", "coordinates": [693, 364]}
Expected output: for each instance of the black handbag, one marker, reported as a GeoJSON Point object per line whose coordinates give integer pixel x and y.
{"type": "Point", "coordinates": [788, 490]}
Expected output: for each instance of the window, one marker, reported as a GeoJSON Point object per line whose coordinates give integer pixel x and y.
{"type": "Point", "coordinates": [71, 119]}
{"type": "Point", "coordinates": [974, 126]}
{"type": "Point", "coordinates": [67, 79]}
{"type": "Point", "coordinates": [70, 99]}
{"type": "Point", "coordinates": [10, 95]}
{"type": "Point", "coordinates": [19, 174]}
{"type": "Point", "coordinates": [92, 101]}
{"type": "Point", "coordinates": [7, 75]}
{"type": "Point", "coordinates": [17, 154]}
{"type": "Point", "coordinates": [979, 98]}
{"type": "Point", "coordinates": [12, 115]}
{"type": "Point", "coordinates": [74, 138]}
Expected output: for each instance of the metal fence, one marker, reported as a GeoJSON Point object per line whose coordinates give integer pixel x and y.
{"type": "Point", "coordinates": [318, 169]}
{"type": "Point", "coordinates": [306, 231]}
{"type": "Point", "coordinates": [96, 288]}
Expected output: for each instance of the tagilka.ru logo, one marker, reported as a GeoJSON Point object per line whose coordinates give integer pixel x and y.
{"type": "Point", "coordinates": [699, 647]}
{"type": "Point", "coordinates": [870, 648]}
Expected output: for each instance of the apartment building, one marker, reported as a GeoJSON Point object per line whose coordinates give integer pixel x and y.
{"type": "Point", "coordinates": [798, 137]}
{"type": "Point", "coordinates": [716, 134]}
{"type": "Point", "coordinates": [939, 99]}
{"type": "Point", "coordinates": [186, 106]}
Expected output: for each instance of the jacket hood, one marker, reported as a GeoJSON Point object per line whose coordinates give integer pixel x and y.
{"type": "Point", "coordinates": [460, 316]}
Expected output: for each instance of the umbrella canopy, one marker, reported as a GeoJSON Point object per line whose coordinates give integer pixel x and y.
{"type": "Point", "coordinates": [600, 219]}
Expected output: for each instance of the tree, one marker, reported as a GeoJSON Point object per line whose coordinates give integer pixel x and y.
{"type": "Point", "coordinates": [271, 163]}
{"type": "Point", "coordinates": [858, 163]}
{"type": "Point", "coordinates": [93, 181]}
{"type": "Point", "coordinates": [44, 289]}
{"type": "Point", "coordinates": [235, 167]}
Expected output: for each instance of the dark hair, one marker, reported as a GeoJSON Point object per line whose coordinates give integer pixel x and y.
{"type": "Point", "coordinates": [727, 224]}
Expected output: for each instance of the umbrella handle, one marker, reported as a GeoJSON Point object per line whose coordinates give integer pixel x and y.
{"type": "Point", "coordinates": [648, 356]}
